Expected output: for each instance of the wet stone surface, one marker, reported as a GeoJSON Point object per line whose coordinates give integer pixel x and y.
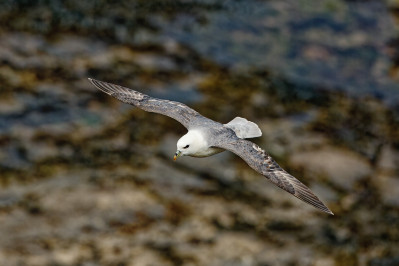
{"type": "Point", "coordinates": [88, 180]}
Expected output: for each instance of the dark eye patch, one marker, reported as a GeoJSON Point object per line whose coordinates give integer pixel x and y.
{"type": "Point", "coordinates": [185, 147]}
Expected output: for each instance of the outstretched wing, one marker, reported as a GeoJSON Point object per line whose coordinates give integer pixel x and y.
{"type": "Point", "coordinates": [259, 160]}
{"type": "Point", "coordinates": [178, 111]}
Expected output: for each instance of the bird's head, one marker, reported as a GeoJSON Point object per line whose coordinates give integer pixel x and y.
{"type": "Point", "coordinates": [187, 145]}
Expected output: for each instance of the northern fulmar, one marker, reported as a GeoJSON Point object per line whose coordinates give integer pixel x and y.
{"type": "Point", "coordinates": [206, 137]}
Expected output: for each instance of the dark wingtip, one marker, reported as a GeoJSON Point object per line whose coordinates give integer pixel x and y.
{"type": "Point", "coordinates": [102, 86]}
{"type": "Point", "coordinates": [318, 204]}
{"type": "Point", "coordinates": [92, 81]}
{"type": "Point", "coordinates": [330, 212]}
{"type": "Point", "coordinates": [305, 194]}
{"type": "Point", "coordinates": [323, 207]}
{"type": "Point", "coordinates": [326, 210]}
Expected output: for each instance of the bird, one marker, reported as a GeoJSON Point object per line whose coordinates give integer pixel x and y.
{"type": "Point", "coordinates": [206, 137]}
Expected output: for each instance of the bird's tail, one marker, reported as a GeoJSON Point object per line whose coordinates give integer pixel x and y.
{"type": "Point", "coordinates": [243, 128]}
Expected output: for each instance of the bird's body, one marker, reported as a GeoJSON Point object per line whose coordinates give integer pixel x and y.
{"type": "Point", "coordinates": [199, 146]}
{"type": "Point", "coordinates": [206, 137]}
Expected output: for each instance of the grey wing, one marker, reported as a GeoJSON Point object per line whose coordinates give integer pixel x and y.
{"type": "Point", "coordinates": [178, 111]}
{"type": "Point", "coordinates": [259, 160]}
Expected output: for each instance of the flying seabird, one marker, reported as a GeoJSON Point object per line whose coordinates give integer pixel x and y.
{"type": "Point", "coordinates": [206, 137]}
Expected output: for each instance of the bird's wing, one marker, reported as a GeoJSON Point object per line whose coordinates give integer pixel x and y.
{"type": "Point", "coordinates": [259, 160]}
{"type": "Point", "coordinates": [178, 111]}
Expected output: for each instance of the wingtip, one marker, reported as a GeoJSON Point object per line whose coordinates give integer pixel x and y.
{"type": "Point", "coordinates": [308, 197]}
{"type": "Point", "coordinates": [101, 85]}
{"type": "Point", "coordinates": [325, 209]}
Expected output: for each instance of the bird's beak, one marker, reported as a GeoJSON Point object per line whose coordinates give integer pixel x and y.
{"type": "Point", "coordinates": [177, 154]}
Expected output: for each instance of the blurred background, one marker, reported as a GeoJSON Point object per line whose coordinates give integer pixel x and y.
{"type": "Point", "coordinates": [88, 180]}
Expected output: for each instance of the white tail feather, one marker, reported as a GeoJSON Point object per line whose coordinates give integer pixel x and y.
{"type": "Point", "coordinates": [244, 129]}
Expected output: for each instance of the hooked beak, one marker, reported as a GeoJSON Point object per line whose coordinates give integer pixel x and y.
{"type": "Point", "coordinates": [177, 154]}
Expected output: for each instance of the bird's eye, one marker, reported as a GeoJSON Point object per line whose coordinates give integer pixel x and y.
{"type": "Point", "coordinates": [185, 147]}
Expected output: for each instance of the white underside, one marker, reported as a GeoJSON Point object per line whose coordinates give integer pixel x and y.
{"type": "Point", "coordinates": [207, 152]}
{"type": "Point", "coordinates": [194, 144]}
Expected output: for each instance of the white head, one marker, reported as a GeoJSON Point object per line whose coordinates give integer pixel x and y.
{"type": "Point", "coordinates": [190, 144]}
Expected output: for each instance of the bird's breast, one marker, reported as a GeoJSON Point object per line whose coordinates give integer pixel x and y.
{"type": "Point", "coordinates": [207, 152]}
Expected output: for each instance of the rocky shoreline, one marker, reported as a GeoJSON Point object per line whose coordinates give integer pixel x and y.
{"type": "Point", "coordinates": [87, 180]}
